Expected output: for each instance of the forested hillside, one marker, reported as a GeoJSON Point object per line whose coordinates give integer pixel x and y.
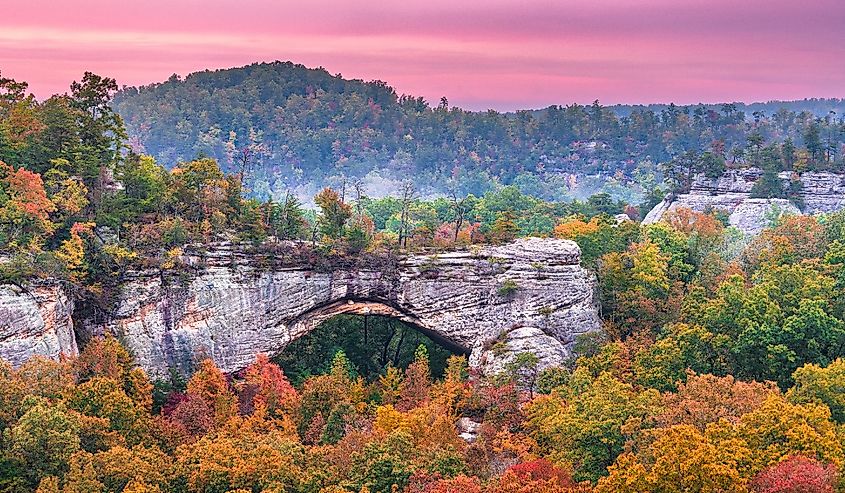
{"type": "Point", "coordinates": [290, 127]}
{"type": "Point", "coordinates": [719, 370]}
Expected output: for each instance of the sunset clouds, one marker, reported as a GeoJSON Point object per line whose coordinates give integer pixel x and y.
{"type": "Point", "coordinates": [478, 53]}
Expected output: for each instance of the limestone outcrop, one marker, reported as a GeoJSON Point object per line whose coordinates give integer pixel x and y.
{"type": "Point", "coordinates": [231, 304]}
{"type": "Point", "coordinates": [532, 292]}
{"type": "Point", "coordinates": [36, 321]}
{"type": "Point", "coordinates": [821, 192]}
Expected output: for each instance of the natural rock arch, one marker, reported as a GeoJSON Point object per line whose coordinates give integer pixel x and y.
{"type": "Point", "coordinates": [312, 319]}
{"type": "Point", "coordinates": [240, 303]}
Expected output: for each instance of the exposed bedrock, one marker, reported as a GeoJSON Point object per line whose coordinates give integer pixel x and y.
{"type": "Point", "coordinates": [821, 192]}
{"type": "Point", "coordinates": [34, 321]}
{"type": "Point", "coordinates": [490, 303]}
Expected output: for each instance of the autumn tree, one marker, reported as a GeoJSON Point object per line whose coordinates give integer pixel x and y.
{"type": "Point", "coordinates": [104, 398]}
{"type": "Point", "coordinates": [681, 459]}
{"type": "Point", "coordinates": [636, 287]}
{"type": "Point", "coordinates": [705, 399]}
{"type": "Point", "coordinates": [211, 386]}
{"type": "Point", "coordinates": [326, 395]}
{"type": "Point", "coordinates": [815, 383]}
{"type": "Point", "coordinates": [384, 466]}
{"type": "Point", "coordinates": [199, 191]}
{"type": "Point", "coordinates": [265, 385]}
{"type": "Point", "coordinates": [24, 208]}
{"type": "Point", "coordinates": [334, 214]}
{"type": "Point", "coordinates": [598, 236]}
{"type": "Point", "coordinates": [242, 457]}
{"type": "Point", "coordinates": [504, 229]}
{"type": "Point", "coordinates": [416, 385]}
{"type": "Point", "coordinates": [44, 439]}
{"type": "Point", "coordinates": [68, 194]}
{"type": "Point", "coordinates": [796, 474]}
{"type": "Point", "coordinates": [590, 427]}
{"type": "Point", "coordinates": [769, 431]}
{"type": "Point", "coordinates": [679, 349]}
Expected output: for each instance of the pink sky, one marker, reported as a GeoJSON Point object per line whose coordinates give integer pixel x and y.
{"type": "Point", "coordinates": [504, 54]}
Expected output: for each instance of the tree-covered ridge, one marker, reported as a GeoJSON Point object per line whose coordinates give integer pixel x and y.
{"type": "Point", "coordinates": [77, 204]}
{"type": "Point", "coordinates": [290, 126]}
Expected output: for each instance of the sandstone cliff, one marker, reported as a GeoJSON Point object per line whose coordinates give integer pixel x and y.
{"type": "Point", "coordinates": [821, 192]}
{"type": "Point", "coordinates": [37, 321]}
{"type": "Point", "coordinates": [529, 295]}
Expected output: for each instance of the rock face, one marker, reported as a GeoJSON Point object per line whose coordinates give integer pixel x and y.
{"type": "Point", "coordinates": [823, 192]}
{"type": "Point", "coordinates": [492, 303]}
{"type": "Point", "coordinates": [35, 322]}
{"type": "Point", "coordinates": [731, 193]}
{"type": "Point", "coordinates": [468, 429]}
{"type": "Point", "coordinates": [529, 295]}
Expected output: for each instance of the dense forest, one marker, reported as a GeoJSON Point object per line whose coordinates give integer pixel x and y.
{"type": "Point", "coordinates": [719, 371]}
{"type": "Point", "coordinates": [718, 367]}
{"type": "Point", "coordinates": [289, 127]}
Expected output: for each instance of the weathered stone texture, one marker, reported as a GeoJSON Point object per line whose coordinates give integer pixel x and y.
{"type": "Point", "coordinates": [236, 306]}
{"type": "Point", "coordinates": [231, 312]}
{"type": "Point", "coordinates": [35, 322]}
{"type": "Point", "coordinates": [821, 192]}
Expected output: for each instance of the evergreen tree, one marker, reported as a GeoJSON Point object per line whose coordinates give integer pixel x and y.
{"type": "Point", "coordinates": [287, 219]}
{"type": "Point", "coordinates": [505, 228]}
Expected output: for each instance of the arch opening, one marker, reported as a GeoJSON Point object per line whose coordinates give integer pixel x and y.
{"type": "Point", "coordinates": [374, 336]}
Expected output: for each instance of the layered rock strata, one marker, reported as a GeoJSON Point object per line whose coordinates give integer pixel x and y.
{"type": "Point", "coordinates": [820, 192]}
{"type": "Point", "coordinates": [490, 303]}
{"type": "Point", "coordinates": [36, 321]}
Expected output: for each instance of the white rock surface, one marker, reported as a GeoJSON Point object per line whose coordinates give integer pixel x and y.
{"type": "Point", "coordinates": [821, 192]}
{"type": "Point", "coordinates": [549, 349]}
{"type": "Point", "coordinates": [35, 322]}
{"type": "Point", "coordinates": [237, 305]}
{"type": "Point", "coordinates": [231, 310]}
{"type": "Point", "coordinates": [468, 429]}
{"type": "Point", "coordinates": [751, 216]}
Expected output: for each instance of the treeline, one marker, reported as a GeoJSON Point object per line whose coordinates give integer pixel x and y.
{"type": "Point", "coordinates": [287, 125]}
{"type": "Point", "coordinates": [76, 203]}
{"type": "Point", "coordinates": [818, 154]}
{"type": "Point", "coordinates": [819, 107]}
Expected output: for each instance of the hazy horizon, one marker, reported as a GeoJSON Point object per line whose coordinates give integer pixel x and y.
{"type": "Point", "coordinates": [499, 54]}
{"type": "Point", "coordinates": [435, 100]}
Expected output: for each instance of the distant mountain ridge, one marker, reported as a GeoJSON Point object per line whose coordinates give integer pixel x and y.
{"type": "Point", "coordinates": [291, 127]}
